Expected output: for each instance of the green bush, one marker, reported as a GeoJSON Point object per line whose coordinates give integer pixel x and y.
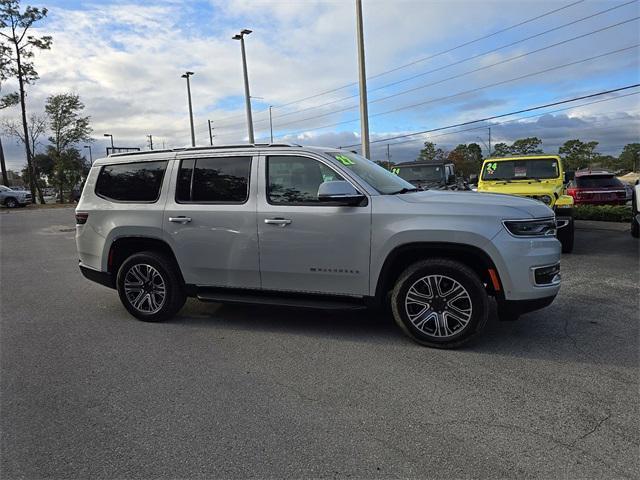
{"type": "Point", "coordinates": [606, 213]}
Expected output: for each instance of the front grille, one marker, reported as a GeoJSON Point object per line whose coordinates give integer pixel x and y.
{"type": "Point", "coordinates": [548, 275]}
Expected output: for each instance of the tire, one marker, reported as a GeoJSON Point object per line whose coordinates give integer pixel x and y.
{"type": "Point", "coordinates": [566, 236]}
{"type": "Point", "coordinates": [11, 202]}
{"type": "Point", "coordinates": [460, 290]}
{"type": "Point", "coordinates": [635, 228]}
{"type": "Point", "coordinates": [152, 270]}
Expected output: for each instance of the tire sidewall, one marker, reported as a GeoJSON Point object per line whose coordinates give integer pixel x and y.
{"type": "Point", "coordinates": [566, 236]}
{"type": "Point", "coordinates": [466, 277]}
{"type": "Point", "coordinates": [11, 202]}
{"type": "Point", "coordinates": [172, 286]}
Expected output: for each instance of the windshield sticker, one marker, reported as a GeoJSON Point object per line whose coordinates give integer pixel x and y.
{"type": "Point", "coordinates": [396, 171]}
{"type": "Point", "coordinates": [520, 171]}
{"type": "Point", "coordinates": [491, 168]}
{"type": "Point", "coordinates": [346, 161]}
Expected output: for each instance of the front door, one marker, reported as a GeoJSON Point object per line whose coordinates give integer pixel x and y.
{"type": "Point", "coordinates": [305, 245]}
{"type": "Point", "coordinates": [210, 222]}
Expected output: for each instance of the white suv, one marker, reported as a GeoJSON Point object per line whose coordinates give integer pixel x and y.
{"type": "Point", "coordinates": [311, 227]}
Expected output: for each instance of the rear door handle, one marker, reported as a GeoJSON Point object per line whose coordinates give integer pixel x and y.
{"type": "Point", "coordinates": [180, 219]}
{"type": "Point", "coordinates": [282, 222]}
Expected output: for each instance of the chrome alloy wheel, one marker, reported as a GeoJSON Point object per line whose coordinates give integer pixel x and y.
{"type": "Point", "coordinates": [438, 306]}
{"type": "Point", "coordinates": [144, 288]}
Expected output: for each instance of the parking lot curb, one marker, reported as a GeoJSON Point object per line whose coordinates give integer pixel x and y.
{"type": "Point", "coordinates": [598, 225]}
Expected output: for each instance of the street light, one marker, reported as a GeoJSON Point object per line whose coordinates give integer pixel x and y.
{"type": "Point", "coordinates": [193, 133]}
{"type": "Point", "coordinates": [247, 95]}
{"type": "Point", "coordinates": [90, 155]}
{"type": "Point", "coordinates": [109, 135]}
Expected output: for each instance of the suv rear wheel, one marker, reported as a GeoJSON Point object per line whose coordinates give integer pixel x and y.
{"type": "Point", "coordinates": [11, 202]}
{"type": "Point", "coordinates": [440, 303]}
{"type": "Point", "coordinates": [149, 287]}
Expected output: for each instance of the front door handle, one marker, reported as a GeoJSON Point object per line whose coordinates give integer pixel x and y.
{"type": "Point", "coordinates": [180, 219]}
{"type": "Point", "coordinates": [281, 222]}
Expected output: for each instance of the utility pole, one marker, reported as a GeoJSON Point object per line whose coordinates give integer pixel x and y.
{"type": "Point", "coordinates": [271, 122]}
{"type": "Point", "coordinates": [210, 133]}
{"type": "Point", "coordinates": [489, 141]}
{"type": "Point", "coordinates": [364, 111]}
{"type": "Point", "coordinates": [193, 133]}
{"type": "Point", "coordinates": [247, 95]}
{"type": "Point", "coordinates": [388, 158]}
{"type": "Point", "coordinates": [150, 137]}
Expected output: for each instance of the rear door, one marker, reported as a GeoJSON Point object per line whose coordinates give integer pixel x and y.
{"type": "Point", "coordinates": [210, 219]}
{"type": "Point", "coordinates": [306, 245]}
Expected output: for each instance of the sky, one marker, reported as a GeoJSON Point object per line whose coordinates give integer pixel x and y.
{"type": "Point", "coordinates": [430, 64]}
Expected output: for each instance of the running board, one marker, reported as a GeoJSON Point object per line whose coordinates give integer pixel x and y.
{"type": "Point", "coordinates": [280, 299]}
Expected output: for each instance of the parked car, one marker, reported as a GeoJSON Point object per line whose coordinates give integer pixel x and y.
{"type": "Point", "coordinates": [432, 174]}
{"type": "Point", "coordinates": [541, 177]}
{"type": "Point", "coordinates": [635, 209]}
{"type": "Point", "coordinates": [14, 198]}
{"type": "Point", "coordinates": [597, 187]}
{"type": "Point", "coordinates": [311, 227]}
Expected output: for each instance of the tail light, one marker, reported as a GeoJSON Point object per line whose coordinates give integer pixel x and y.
{"type": "Point", "coordinates": [81, 218]}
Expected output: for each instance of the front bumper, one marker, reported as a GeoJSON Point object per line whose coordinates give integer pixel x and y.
{"type": "Point", "coordinates": [517, 259]}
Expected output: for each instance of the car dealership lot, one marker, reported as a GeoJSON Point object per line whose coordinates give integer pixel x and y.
{"type": "Point", "coordinates": [241, 391]}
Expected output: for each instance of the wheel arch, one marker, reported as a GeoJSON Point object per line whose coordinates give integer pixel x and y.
{"type": "Point", "coordinates": [404, 255]}
{"type": "Point", "coordinates": [123, 247]}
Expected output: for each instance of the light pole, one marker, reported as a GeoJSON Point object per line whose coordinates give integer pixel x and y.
{"type": "Point", "coordinates": [364, 111]}
{"type": "Point", "coordinates": [90, 155]}
{"type": "Point", "coordinates": [271, 123]}
{"type": "Point", "coordinates": [193, 133]}
{"type": "Point", "coordinates": [247, 95]}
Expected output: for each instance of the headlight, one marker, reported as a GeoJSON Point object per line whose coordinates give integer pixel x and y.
{"type": "Point", "coordinates": [543, 227]}
{"type": "Point", "coordinates": [546, 199]}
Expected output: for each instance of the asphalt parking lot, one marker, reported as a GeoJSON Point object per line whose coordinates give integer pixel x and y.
{"type": "Point", "coordinates": [246, 392]}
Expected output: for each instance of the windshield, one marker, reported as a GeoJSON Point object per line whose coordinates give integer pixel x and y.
{"type": "Point", "coordinates": [382, 180]}
{"type": "Point", "coordinates": [420, 173]}
{"type": "Point", "coordinates": [538, 168]}
{"type": "Point", "coordinates": [598, 181]}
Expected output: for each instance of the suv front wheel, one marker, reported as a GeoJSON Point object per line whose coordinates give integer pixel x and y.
{"type": "Point", "coordinates": [150, 287]}
{"type": "Point", "coordinates": [440, 303]}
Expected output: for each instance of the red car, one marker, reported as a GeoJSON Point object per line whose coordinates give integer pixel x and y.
{"type": "Point", "coordinates": [591, 187]}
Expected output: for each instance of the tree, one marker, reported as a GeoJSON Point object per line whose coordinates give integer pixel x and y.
{"type": "Point", "coordinates": [14, 26]}
{"type": "Point", "coordinates": [577, 154]}
{"type": "Point", "coordinates": [467, 159]}
{"type": "Point", "coordinates": [68, 128]}
{"type": "Point", "coordinates": [526, 146]}
{"type": "Point", "coordinates": [36, 128]}
{"type": "Point", "coordinates": [6, 100]}
{"type": "Point", "coordinates": [430, 152]}
{"type": "Point", "coordinates": [630, 157]}
{"type": "Point", "coordinates": [501, 150]}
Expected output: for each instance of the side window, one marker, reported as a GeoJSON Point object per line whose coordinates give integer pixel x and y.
{"type": "Point", "coordinates": [214, 180]}
{"type": "Point", "coordinates": [295, 180]}
{"type": "Point", "coordinates": [131, 182]}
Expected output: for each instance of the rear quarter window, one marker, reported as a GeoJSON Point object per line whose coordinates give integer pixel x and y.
{"type": "Point", "coordinates": [131, 182]}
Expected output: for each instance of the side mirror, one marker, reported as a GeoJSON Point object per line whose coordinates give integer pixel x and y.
{"type": "Point", "coordinates": [339, 192]}
{"type": "Point", "coordinates": [569, 176]}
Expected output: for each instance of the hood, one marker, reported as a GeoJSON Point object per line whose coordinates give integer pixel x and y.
{"type": "Point", "coordinates": [480, 201]}
{"type": "Point", "coordinates": [522, 188]}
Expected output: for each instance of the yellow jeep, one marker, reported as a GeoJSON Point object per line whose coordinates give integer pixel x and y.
{"type": "Point", "coordinates": [540, 177]}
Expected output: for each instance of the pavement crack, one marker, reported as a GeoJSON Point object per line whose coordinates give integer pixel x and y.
{"type": "Point", "coordinates": [595, 427]}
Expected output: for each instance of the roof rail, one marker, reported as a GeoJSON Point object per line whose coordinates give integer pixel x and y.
{"type": "Point", "coordinates": [210, 147]}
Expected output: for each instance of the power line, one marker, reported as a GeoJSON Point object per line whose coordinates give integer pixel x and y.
{"type": "Point", "coordinates": [468, 72]}
{"type": "Point", "coordinates": [406, 107]}
{"type": "Point", "coordinates": [473, 57]}
{"type": "Point", "coordinates": [497, 124]}
{"type": "Point", "coordinates": [470, 42]}
{"type": "Point", "coordinates": [502, 115]}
